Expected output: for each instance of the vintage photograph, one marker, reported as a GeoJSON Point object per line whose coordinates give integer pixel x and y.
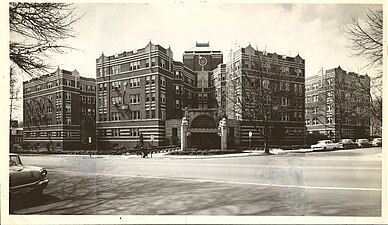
{"type": "Point", "coordinates": [195, 109]}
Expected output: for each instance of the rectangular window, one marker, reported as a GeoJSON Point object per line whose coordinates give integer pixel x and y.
{"type": "Point", "coordinates": [153, 77]}
{"type": "Point", "coordinates": [153, 61]}
{"type": "Point", "coordinates": [68, 121]}
{"type": "Point", "coordinates": [153, 115]}
{"type": "Point", "coordinates": [162, 81]}
{"type": "Point", "coordinates": [147, 63]}
{"type": "Point", "coordinates": [153, 97]}
{"type": "Point", "coordinates": [134, 99]}
{"type": "Point", "coordinates": [68, 108]}
{"type": "Point", "coordinates": [163, 97]}
{"type": "Point", "coordinates": [163, 114]}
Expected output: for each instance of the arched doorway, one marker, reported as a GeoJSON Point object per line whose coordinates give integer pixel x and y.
{"type": "Point", "coordinates": [204, 133]}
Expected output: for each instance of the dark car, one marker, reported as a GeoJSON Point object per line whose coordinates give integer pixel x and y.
{"type": "Point", "coordinates": [25, 179]}
{"type": "Point", "coordinates": [377, 142]}
{"type": "Point", "coordinates": [348, 144]}
{"type": "Point", "coordinates": [363, 143]}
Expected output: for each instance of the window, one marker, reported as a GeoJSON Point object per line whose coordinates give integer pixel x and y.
{"type": "Point", "coordinates": [153, 115]}
{"type": "Point", "coordinates": [99, 72]}
{"type": "Point", "coordinates": [148, 79]}
{"type": "Point", "coordinates": [163, 114]}
{"type": "Point", "coordinates": [68, 108]}
{"type": "Point", "coordinates": [329, 119]}
{"type": "Point", "coordinates": [134, 82]}
{"type": "Point", "coordinates": [315, 121]}
{"type": "Point", "coordinates": [89, 111]}
{"type": "Point", "coordinates": [315, 110]}
{"type": "Point", "coordinates": [49, 85]}
{"type": "Point", "coordinates": [153, 77]}
{"type": "Point", "coordinates": [116, 116]}
{"type": "Point", "coordinates": [89, 100]}
{"type": "Point", "coordinates": [153, 61]}
{"type": "Point", "coordinates": [134, 115]}
{"type": "Point", "coordinates": [284, 101]}
{"type": "Point", "coordinates": [116, 100]}
{"type": "Point", "coordinates": [307, 121]}
{"type": "Point", "coordinates": [115, 132]}
{"type": "Point", "coordinates": [177, 104]}
{"type": "Point", "coordinates": [329, 108]}
{"type": "Point", "coordinates": [134, 99]}
{"type": "Point", "coordinates": [116, 85]}
{"type": "Point", "coordinates": [49, 109]}
{"type": "Point", "coordinates": [116, 69]}
{"type": "Point", "coordinates": [68, 120]}
{"type": "Point", "coordinates": [177, 90]}
{"type": "Point", "coordinates": [147, 63]}
{"type": "Point", "coordinates": [162, 81]}
{"type": "Point", "coordinates": [163, 97]}
{"type": "Point", "coordinates": [315, 98]}
{"type": "Point", "coordinates": [153, 97]}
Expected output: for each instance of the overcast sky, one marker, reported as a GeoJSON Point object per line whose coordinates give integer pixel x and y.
{"type": "Point", "coordinates": [313, 31]}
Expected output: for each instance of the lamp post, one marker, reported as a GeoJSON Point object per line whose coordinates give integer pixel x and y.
{"type": "Point", "coordinates": [250, 139]}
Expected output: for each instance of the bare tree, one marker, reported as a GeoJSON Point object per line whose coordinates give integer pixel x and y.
{"type": "Point", "coordinates": [366, 37]}
{"type": "Point", "coordinates": [340, 103]}
{"type": "Point", "coordinates": [36, 31]}
{"type": "Point", "coordinates": [366, 41]}
{"type": "Point", "coordinates": [255, 96]}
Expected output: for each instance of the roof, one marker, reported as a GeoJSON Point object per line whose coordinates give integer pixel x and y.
{"type": "Point", "coordinates": [202, 47]}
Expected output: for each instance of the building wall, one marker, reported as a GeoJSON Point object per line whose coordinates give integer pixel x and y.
{"type": "Point", "coordinates": [288, 73]}
{"type": "Point", "coordinates": [337, 100]}
{"type": "Point", "coordinates": [52, 111]}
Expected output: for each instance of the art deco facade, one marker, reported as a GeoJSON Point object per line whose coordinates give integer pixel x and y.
{"type": "Point", "coordinates": [337, 104]}
{"type": "Point", "coordinates": [286, 76]}
{"type": "Point", "coordinates": [59, 111]}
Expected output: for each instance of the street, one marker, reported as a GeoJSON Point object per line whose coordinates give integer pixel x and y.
{"type": "Point", "coordinates": [337, 183]}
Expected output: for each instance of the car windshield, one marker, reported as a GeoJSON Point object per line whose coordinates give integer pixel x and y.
{"type": "Point", "coordinates": [14, 160]}
{"type": "Point", "coordinates": [345, 141]}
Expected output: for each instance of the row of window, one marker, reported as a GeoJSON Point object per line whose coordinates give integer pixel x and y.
{"type": "Point", "coordinates": [59, 82]}
{"type": "Point", "coordinates": [115, 132]}
{"type": "Point", "coordinates": [51, 134]}
{"type": "Point", "coordinates": [329, 120]}
{"type": "Point", "coordinates": [132, 115]}
{"type": "Point", "coordinates": [130, 66]}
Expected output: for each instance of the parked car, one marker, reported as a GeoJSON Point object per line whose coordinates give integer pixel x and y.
{"type": "Point", "coordinates": [25, 179]}
{"type": "Point", "coordinates": [363, 143]}
{"type": "Point", "coordinates": [325, 145]}
{"type": "Point", "coordinates": [377, 142]}
{"type": "Point", "coordinates": [347, 144]}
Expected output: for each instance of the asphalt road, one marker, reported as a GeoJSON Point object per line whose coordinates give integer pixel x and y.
{"type": "Point", "coordinates": [340, 183]}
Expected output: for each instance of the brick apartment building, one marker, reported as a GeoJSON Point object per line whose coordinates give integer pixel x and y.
{"type": "Point", "coordinates": [337, 104]}
{"type": "Point", "coordinates": [146, 91]}
{"type": "Point", "coordinates": [59, 111]}
{"type": "Point", "coordinates": [287, 74]}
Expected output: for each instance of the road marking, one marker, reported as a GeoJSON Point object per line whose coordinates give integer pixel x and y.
{"type": "Point", "coordinates": [351, 167]}
{"type": "Point", "coordinates": [225, 182]}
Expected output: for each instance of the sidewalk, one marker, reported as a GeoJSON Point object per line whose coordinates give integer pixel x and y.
{"type": "Point", "coordinates": [244, 154]}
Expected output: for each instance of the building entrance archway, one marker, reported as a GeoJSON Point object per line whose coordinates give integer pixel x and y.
{"type": "Point", "coordinates": [204, 133]}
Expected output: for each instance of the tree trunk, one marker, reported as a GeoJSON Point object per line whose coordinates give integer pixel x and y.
{"type": "Point", "coordinates": [266, 133]}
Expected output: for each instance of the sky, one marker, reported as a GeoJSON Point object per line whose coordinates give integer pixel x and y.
{"type": "Point", "coordinates": [315, 32]}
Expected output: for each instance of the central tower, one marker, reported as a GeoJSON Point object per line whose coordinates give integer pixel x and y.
{"type": "Point", "coordinates": [203, 60]}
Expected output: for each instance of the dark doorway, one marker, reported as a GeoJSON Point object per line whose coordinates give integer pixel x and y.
{"type": "Point", "coordinates": [205, 141]}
